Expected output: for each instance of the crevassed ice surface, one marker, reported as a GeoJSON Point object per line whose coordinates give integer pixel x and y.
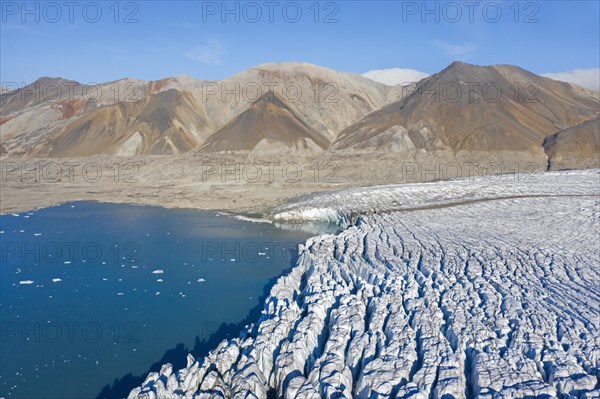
{"type": "Point", "coordinates": [495, 299]}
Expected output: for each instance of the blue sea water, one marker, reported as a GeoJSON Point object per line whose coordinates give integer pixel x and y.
{"type": "Point", "coordinates": [94, 296]}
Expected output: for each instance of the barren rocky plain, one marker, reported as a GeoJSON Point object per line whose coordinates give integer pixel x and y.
{"type": "Point", "coordinates": [238, 183]}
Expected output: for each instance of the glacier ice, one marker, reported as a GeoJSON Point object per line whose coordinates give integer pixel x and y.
{"type": "Point", "coordinates": [427, 294]}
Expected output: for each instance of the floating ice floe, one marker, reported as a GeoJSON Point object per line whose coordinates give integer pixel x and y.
{"type": "Point", "coordinates": [67, 262]}
{"type": "Point", "coordinates": [252, 220]}
{"type": "Point", "coordinates": [158, 271]}
{"type": "Point", "coordinates": [26, 282]}
{"type": "Point", "coordinates": [56, 280]}
{"type": "Point", "coordinates": [201, 280]}
{"type": "Point", "coordinates": [160, 280]}
{"type": "Point", "coordinates": [37, 234]}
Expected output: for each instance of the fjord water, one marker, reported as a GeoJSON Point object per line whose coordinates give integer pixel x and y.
{"type": "Point", "coordinates": [92, 295]}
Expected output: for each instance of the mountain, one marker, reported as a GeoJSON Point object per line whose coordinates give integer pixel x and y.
{"type": "Point", "coordinates": [328, 101]}
{"type": "Point", "coordinates": [268, 123]}
{"type": "Point", "coordinates": [104, 119]}
{"type": "Point", "coordinates": [575, 147]}
{"type": "Point", "coordinates": [271, 109]}
{"type": "Point", "coordinates": [161, 123]}
{"type": "Point", "coordinates": [471, 108]}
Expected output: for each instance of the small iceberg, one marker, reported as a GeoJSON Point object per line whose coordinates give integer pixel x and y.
{"type": "Point", "coordinates": [201, 280]}
{"type": "Point", "coordinates": [56, 280]}
{"type": "Point", "coordinates": [158, 271]}
{"type": "Point", "coordinates": [25, 282]}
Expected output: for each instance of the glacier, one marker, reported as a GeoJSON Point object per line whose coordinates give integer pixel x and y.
{"type": "Point", "coordinates": [477, 287]}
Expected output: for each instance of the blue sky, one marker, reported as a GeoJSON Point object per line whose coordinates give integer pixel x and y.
{"type": "Point", "coordinates": [195, 38]}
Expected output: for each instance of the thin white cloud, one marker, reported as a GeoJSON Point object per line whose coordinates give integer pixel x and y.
{"type": "Point", "coordinates": [210, 52]}
{"type": "Point", "coordinates": [14, 27]}
{"type": "Point", "coordinates": [588, 78]}
{"type": "Point", "coordinates": [455, 50]}
{"type": "Point", "coordinates": [395, 76]}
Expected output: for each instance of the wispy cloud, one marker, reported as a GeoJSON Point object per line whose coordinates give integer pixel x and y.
{"type": "Point", "coordinates": [13, 27]}
{"type": "Point", "coordinates": [455, 50]}
{"type": "Point", "coordinates": [395, 76]}
{"type": "Point", "coordinates": [210, 52]}
{"type": "Point", "coordinates": [588, 78]}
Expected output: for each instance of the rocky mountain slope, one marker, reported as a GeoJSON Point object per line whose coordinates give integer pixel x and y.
{"type": "Point", "coordinates": [568, 147]}
{"type": "Point", "coordinates": [470, 108]}
{"type": "Point", "coordinates": [303, 109]}
{"type": "Point", "coordinates": [266, 123]}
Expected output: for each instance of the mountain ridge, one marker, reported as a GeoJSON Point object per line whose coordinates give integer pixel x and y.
{"type": "Point", "coordinates": [335, 111]}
